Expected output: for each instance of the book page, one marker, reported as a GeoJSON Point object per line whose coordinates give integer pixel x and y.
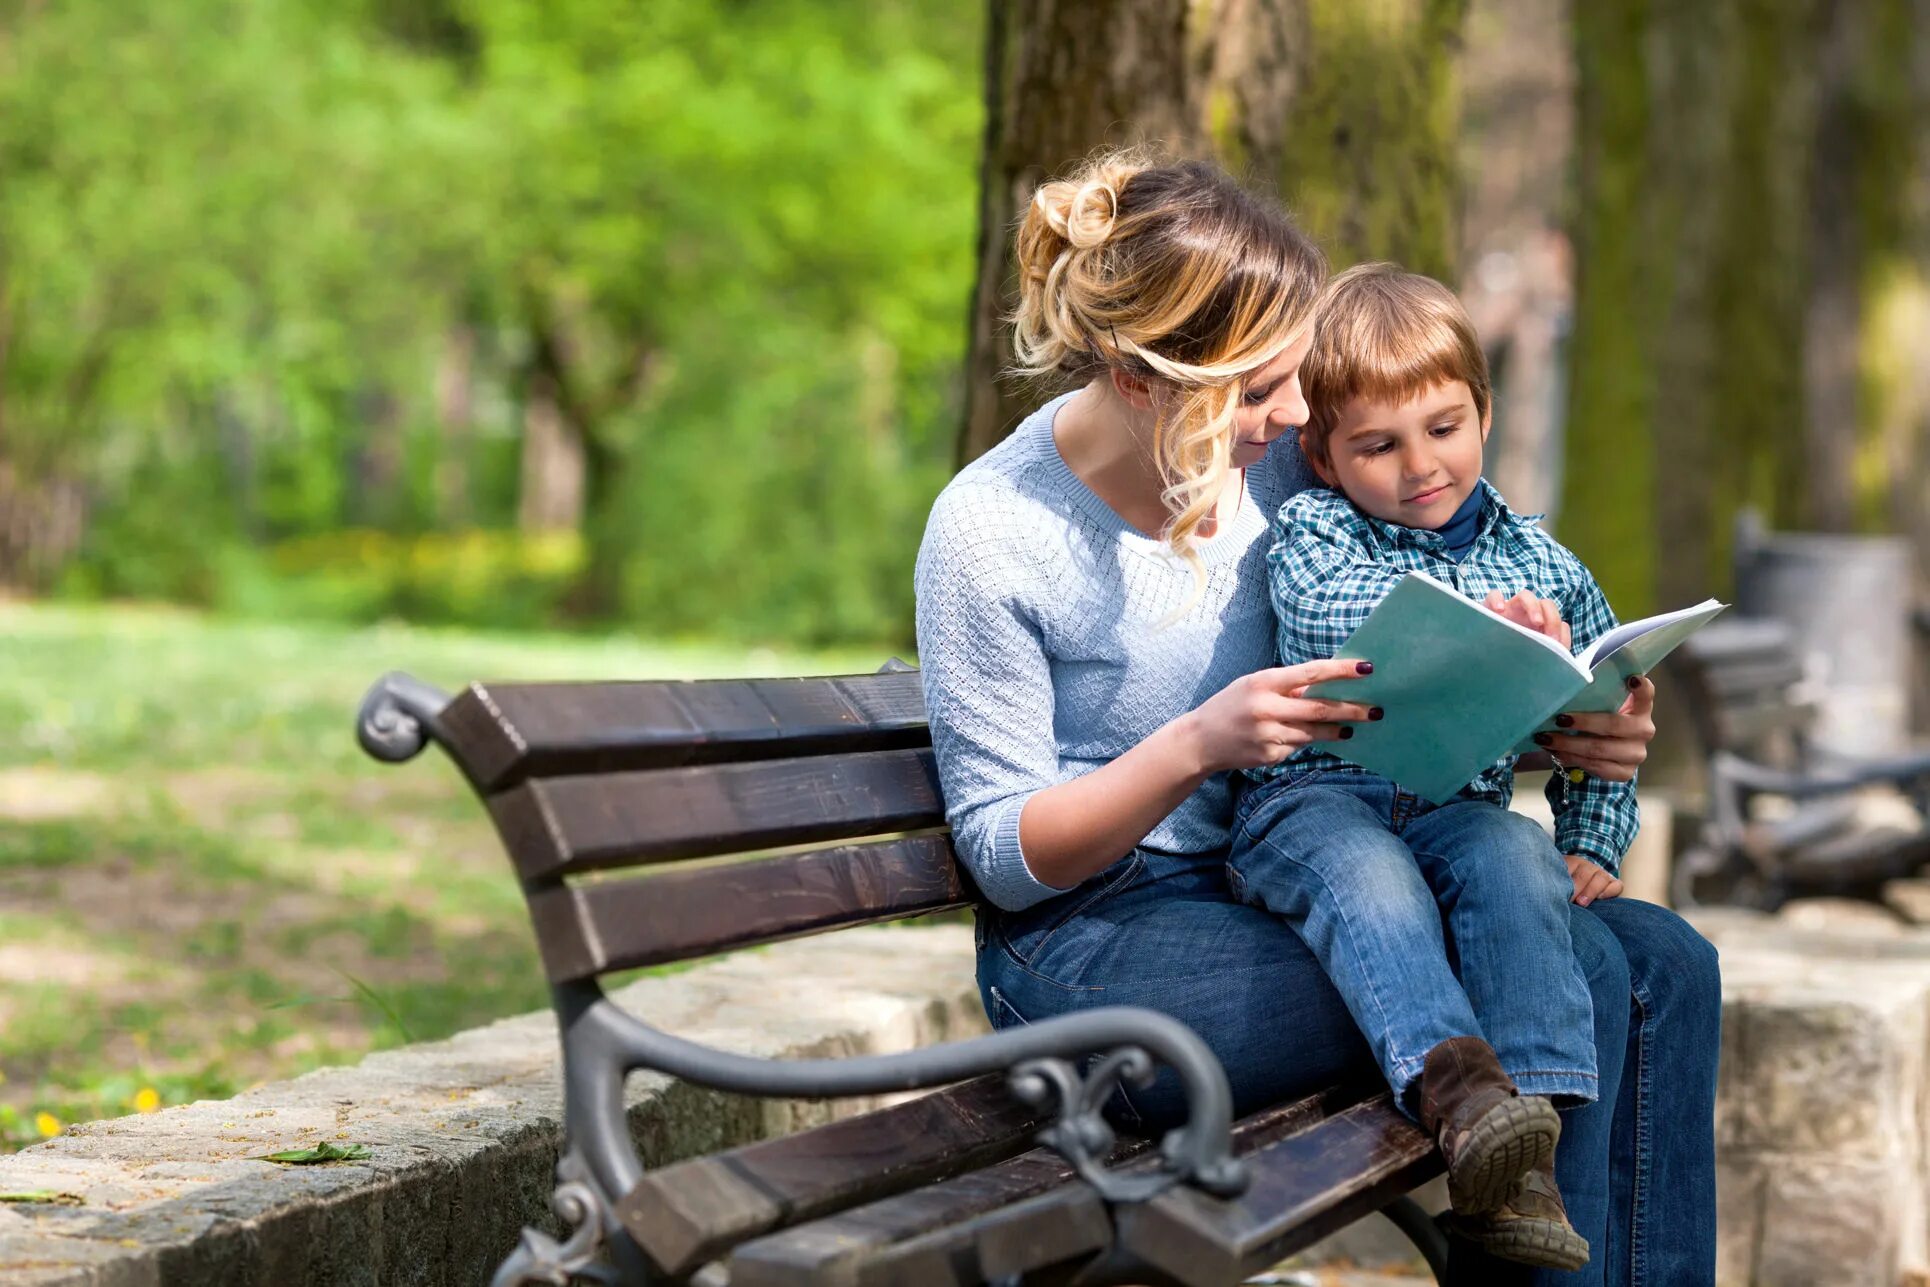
{"type": "Point", "coordinates": [1632, 630]}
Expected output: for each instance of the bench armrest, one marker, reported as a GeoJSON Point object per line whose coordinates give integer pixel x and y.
{"type": "Point", "coordinates": [399, 715]}
{"type": "Point", "coordinates": [603, 1043]}
{"type": "Point", "coordinates": [1750, 778]}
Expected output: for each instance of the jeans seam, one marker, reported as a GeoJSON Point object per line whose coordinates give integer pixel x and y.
{"type": "Point", "coordinates": [1135, 864]}
{"type": "Point", "coordinates": [1414, 1062]}
{"type": "Point", "coordinates": [1638, 1184]}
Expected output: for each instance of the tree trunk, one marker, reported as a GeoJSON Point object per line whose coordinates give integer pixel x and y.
{"type": "Point", "coordinates": [553, 472]}
{"type": "Point", "coordinates": [456, 417]}
{"type": "Point", "coordinates": [1743, 181]}
{"type": "Point", "coordinates": [1350, 116]}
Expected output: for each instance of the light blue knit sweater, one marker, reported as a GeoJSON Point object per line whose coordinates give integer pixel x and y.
{"type": "Point", "coordinates": [1040, 635]}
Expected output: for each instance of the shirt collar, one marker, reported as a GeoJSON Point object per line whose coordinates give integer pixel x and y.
{"type": "Point", "coordinates": [1494, 511]}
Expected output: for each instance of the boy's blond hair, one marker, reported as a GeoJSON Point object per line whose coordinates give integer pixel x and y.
{"type": "Point", "coordinates": [1385, 334]}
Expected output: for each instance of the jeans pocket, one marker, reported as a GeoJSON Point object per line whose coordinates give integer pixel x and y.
{"type": "Point", "coordinates": [1025, 934]}
{"type": "Point", "coordinates": [1003, 1013]}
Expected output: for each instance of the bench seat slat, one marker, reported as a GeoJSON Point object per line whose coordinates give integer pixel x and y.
{"type": "Point", "coordinates": [553, 826]}
{"type": "Point", "coordinates": [1305, 1186]}
{"type": "Point", "coordinates": [586, 930]}
{"type": "Point", "coordinates": [503, 733]}
{"type": "Point", "coordinates": [685, 1214]}
{"type": "Point", "coordinates": [951, 1232]}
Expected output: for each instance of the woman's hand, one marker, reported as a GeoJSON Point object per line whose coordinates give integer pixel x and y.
{"type": "Point", "coordinates": [1613, 746]}
{"type": "Point", "coordinates": [1264, 717]}
{"type": "Point", "coordinates": [1591, 882]}
{"type": "Point", "coordinates": [1541, 615]}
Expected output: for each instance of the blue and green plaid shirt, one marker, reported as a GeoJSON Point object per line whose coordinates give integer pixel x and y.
{"type": "Point", "coordinates": [1330, 564]}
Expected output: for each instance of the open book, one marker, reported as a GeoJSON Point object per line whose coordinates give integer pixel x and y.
{"type": "Point", "coordinates": [1463, 686]}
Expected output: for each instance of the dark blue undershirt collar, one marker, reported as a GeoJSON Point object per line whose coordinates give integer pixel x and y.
{"type": "Point", "coordinates": [1460, 531]}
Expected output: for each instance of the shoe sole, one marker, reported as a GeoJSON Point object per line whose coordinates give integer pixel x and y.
{"type": "Point", "coordinates": [1511, 1139]}
{"type": "Point", "coordinates": [1542, 1243]}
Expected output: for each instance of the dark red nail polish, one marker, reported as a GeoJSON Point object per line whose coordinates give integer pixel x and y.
{"type": "Point", "coordinates": [1564, 721]}
{"type": "Point", "coordinates": [1375, 712]}
{"type": "Point", "coordinates": [1364, 668]}
{"type": "Point", "coordinates": [1634, 682]}
{"type": "Point", "coordinates": [1346, 731]}
{"type": "Point", "coordinates": [1544, 739]}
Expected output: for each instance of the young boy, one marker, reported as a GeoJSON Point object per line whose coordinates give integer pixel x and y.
{"type": "Point", "coordinates": [1482, 1031]}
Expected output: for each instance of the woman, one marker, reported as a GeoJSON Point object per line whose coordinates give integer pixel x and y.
{"type": "Point", "coordinates": [1097, 650]}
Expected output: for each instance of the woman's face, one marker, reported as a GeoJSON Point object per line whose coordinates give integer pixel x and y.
{"type": "Point", "coordinates": [1270, 403]}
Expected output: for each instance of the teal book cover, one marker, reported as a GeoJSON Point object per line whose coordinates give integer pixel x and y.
{"type": "Point", "coordinates": [1463, 686]}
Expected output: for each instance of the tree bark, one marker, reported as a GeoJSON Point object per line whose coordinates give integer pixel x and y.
{"type": "Point", "coordinates": [1271, 89]}
{"type": "Point", "coordinates": [1743, 181]}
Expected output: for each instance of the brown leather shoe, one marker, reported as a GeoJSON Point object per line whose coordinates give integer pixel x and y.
{"type": "Point", "coordinates": [1530, 1228]}
{"type": "Point", "coordinates": [1489, 1132]}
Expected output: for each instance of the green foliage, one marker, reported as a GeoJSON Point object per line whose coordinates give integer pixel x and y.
{"type": "Point", "coordinates": [239, 240]}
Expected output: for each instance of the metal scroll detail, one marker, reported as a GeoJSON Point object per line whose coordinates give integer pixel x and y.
{"type": "Point", "coordinates": [1082, 1136]}
{"type": "Point", "coordinates": [398, 717]}
{"type": "Point", "coordinates": [539, 1258]}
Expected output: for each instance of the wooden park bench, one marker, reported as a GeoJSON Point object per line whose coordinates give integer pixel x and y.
{"type": "Point", "coordinates": [1785, 818]}
{"type": "Point", "coordinates": [1008, 1173]}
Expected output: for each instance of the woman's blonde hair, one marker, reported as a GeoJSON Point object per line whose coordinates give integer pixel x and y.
{"type": "Point", "coordinates": [1172, 272]}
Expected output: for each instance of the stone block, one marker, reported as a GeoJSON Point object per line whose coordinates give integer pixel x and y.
{"type": "Point", "coordinates": [1821, 1057]}
{"type": "Point", "coordinates": [1739, 1190]}
{"type": "Point", "coordinates": [1830, 1221]}
{"type": "Point", "coordinates": [1909, 899]}
{"type": "Point", "coordinates": [463, 1133]}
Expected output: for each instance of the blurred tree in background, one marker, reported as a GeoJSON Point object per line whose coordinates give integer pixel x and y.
{"type": "Point", "coordinates": [510, 313]}
{"type": "Point", "coordinates": [1752, 222]}
{"type": "Point", "coordinates": [484, 311]}
{"type": "Point", "coordinates": [1345, 111]}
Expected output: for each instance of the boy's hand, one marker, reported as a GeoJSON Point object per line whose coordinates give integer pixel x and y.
{"type": "Point", "coordinates": [1542, 615]}
{"type": "Point", "coordinates": [1591, 882]}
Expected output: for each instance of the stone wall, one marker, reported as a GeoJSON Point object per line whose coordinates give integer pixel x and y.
{"type": "Point", "coordinates": [463, 1134]}
{"type": "Point", "coordinates": [1823, 1162]}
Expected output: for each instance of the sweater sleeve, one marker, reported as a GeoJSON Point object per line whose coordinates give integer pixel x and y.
{"type": "Point", "coordinates": [1594, 817]}
{"type": "Point", "coordinates": [988, 687]}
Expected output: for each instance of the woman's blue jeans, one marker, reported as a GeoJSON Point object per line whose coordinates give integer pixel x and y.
{"type": "Point", "coordinates": [1636, 1167]}
{"type": "Point", "coordinates": [1433, 921]}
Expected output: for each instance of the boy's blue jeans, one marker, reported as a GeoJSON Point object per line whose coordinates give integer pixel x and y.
{"type": "Point", "coordinates": [1636, 1168]}
{"type": "Point", "coordinates": [1367, 874]}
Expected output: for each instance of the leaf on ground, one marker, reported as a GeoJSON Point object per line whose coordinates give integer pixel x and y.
{"type": "Point", "coordinates": [323, 1152]}
{"type": "Point", "coordinates": [42, 1195]}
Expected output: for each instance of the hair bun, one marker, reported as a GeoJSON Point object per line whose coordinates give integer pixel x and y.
{"type": "Point", "coordinates": [1090, 215]}
{"type": "Point", "coordinates": [1082, 214]}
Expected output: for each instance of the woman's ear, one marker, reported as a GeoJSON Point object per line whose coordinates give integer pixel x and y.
{"type": "Point", "coordinates": [1135, 390]}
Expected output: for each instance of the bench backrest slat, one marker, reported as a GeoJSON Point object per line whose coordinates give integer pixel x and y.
{"type": "Point", "coordinates": [1741, 680]}
{"type": "Point", "coordinates": [588, 929]}
{"type": "Point", "coordinates": [555, 826]}
{"type": "Point", "coordinates": [503, 733]}
{"type": "Point", "coordinates": [586, 778]}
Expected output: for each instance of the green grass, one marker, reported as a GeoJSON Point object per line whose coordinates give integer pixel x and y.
{"type": "Point", "coordinates": [204, 884]}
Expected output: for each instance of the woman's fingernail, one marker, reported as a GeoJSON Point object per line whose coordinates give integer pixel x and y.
{"type": "Point", "coordinates": [1364, 668]}
{"type": "Point", "coordinates": [1583, 901]}
{"type": "Point", "coordinates": [1375, 712]}
{"type": "Point", "coordinates": [1564, 721]}
{"type": "Point", "coordinates": [1544, 739]}
{"type": "Point", "coordinates": [1346, 731]}
{"type": "Point", "coordinates": [1634, 683]}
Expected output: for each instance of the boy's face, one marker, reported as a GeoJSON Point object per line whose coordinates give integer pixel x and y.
{"type": "Point", "coordinates": [1411, 463]}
